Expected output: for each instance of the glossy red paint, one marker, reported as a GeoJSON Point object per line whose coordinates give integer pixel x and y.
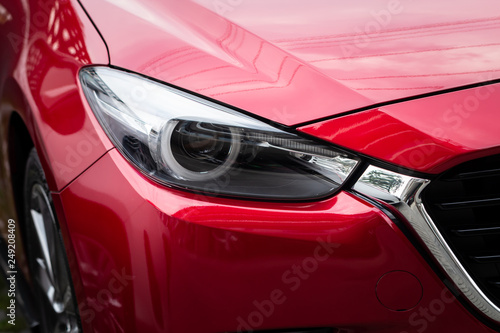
{"type": "Point", "coordinates": [43, 46]}
{"type": "Point", "coordinates": [147, 258]}
{"type": "Point", "coordinates": [429, 135]}
{"type": "Point", "coordinates": [190, 263]}
{"type": "Point", "coordinates": [48, 42]}
{"type": "Point", "coordinates": [393, 284]}
{"type": "Point", "coordinates": [296, 61]}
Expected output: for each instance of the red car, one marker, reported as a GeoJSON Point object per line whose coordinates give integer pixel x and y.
{"type": "Point", "coordinates": [250, 166]}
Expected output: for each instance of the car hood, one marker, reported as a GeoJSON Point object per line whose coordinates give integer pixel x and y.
{"type": "Point", "coordinates": [296, 61]}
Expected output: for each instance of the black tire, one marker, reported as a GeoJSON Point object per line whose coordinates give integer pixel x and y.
{"type": "Point", "coordinates": [47, 260]}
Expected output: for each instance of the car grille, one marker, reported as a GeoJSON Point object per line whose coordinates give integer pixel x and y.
{"type": "Point", "coordinates": [464, 203]}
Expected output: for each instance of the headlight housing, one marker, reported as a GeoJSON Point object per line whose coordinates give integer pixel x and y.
{"type": "Point", "coordinates": [182, 140]}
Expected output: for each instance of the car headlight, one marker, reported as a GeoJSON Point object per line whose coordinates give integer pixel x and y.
{"type": "Point", "coordinates": [185, 141]}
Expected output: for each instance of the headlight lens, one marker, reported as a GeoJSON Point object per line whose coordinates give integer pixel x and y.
{"type": "Point", "coordinates": [182, 140]}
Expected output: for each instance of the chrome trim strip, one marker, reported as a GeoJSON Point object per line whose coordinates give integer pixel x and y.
{"type": "Point", "coordinates": [404, 193]}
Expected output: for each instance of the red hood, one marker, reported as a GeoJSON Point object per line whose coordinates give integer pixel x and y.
{"type": "Point", "coordinates": [296, 61]}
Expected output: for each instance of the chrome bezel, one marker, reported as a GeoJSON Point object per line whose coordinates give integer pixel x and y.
{"type": "Point", "coordinates": [406, 196]}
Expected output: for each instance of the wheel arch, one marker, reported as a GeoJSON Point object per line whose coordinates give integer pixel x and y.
{"type": "Point", "coordinates": [19, 145]}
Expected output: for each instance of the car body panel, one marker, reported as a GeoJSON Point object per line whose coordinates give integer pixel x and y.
{"type": "Point", "coordinates": [160, 260]}
{"type": "Point", "coordinates": [296, 61]}
{"type": "Point", "coordinates": [428, 135]}
{"type": "Point", "coordinates": [145, 257]}
{"type": "Point", "coordinates": [48, 45]}
{"type": "Point", "coordinates": [39, 87]}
